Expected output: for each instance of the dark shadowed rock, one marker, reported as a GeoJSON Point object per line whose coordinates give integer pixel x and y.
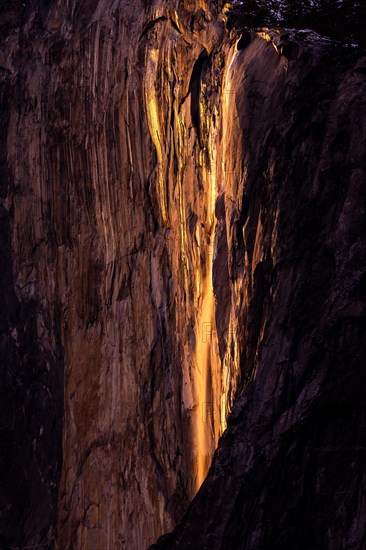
{"type": "Point", "coordinates": [289, 470]}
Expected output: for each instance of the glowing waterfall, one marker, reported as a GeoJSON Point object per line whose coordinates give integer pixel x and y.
{"type": "Point", "coordinates": [208, 368]}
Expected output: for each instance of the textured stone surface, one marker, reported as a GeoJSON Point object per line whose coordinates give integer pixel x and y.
{"type": "Point", "coordinates": [108, 219]}
{"type": "Point", "coordinates": [31, 354]}
{"type": "Point", "coordinates": [182, 215]}
{"type": "Point", "coordinates": [289, 470]}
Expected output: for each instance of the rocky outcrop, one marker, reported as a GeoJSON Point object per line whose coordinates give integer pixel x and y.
{"type": "Point", "coordinates": [182, 224]}
{"type": "Point", "coordinates": [289, 470]}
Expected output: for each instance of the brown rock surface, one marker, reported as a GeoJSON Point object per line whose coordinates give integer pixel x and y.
{"type": "Point", "coordinates": [180, 218]}
{"type": "Point", "coordinates": [289, 471]}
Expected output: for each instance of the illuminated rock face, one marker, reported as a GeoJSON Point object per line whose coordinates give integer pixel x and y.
{"type": "Point", "coordinates": [289, 470]}
{"type": "Point", "coordinates": [182, 216]}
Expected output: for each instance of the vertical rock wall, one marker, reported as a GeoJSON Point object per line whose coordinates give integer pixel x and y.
{"type": "Point", "coordinates": [110, 227]}
{"type": "Point", "coordinates": [134, 450]}
{"type": "Point", "coordinates": [289, 470]}
{"type": "Point", "coordinates": [31, 351]}
{"type": "Point", "coordinates": [181, 216]}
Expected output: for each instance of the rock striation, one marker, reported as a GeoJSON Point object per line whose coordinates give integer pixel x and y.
{"type": "Point", "coordinates": [183, 270]}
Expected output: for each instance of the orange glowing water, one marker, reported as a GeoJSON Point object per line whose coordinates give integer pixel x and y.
{"type": "Point", "coordinates": [213, 379]}
{"type": "Point", "coordinates": [208, 376]}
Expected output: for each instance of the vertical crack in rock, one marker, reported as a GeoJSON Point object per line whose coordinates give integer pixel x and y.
{"type": "Point", "coordinates": [154, 95]}
{"type": "Point", "coordinates": [194, 89]}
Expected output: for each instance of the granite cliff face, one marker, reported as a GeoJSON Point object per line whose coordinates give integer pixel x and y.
{"type": "Point", "coordinates": [289, 470]}
{"type": "Point", "coordinates": [182, 237]}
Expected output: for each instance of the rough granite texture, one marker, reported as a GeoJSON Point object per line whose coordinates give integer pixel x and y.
{"type": "Point", "coordinates": [182, 227]}
{"type": "Point", "coordinates": [289, 472]}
